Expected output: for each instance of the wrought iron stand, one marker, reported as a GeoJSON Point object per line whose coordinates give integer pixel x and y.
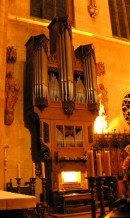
{"type": "Point", "coordinates": [45, 205]}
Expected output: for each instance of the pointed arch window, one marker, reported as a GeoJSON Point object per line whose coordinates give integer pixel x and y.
{"type": "Point", "coordinates": [120, 17]}
{"type": "Point", "coordinates": [48, 9]}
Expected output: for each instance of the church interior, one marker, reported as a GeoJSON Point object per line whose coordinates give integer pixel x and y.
{"type": "Point", "coordinates": [65, 108]}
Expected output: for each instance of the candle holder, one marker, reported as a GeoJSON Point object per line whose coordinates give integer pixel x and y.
{"type": "Point", "coordinates": [10, 185]}
{"type": "Point", "coordinates": [111, 180]}
{"type": "Point", "coordinates": [100, 184]}
{"type": "Point", "coordinates": [92, 185]}
{"type": "Point", "coordinates": [18, 184]}
{"type": "Point", "coordinates": [45, 205]}
{"type": "Point", "coordinates": [32, 184]}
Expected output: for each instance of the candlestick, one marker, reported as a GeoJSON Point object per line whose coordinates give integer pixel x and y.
{"type": "Point", "coordinates": [18, 184]}
{"type": "Point", "coordinates": [91, 163]}
{"type": "Point", "coordinates": [86, 180]}
{"type": "Point", "coordinates": [32, 184]}
{"type": "Point", "coordinates": [45, 204]}
{"type": "Point", "coordinates": [33, 170]}
{"type": "Point", "coordinates": [18, 170]}
{"type": "Point", "coordinates": [99, 164]}
{"type": "Point", "coordinates": [43, 170]}
{"type": "Point", "coordinates": [92, 185]}
{"type": "Point", "coordinates": [100, 184]}
{"type": "Point", "coordinates": [107, 163]}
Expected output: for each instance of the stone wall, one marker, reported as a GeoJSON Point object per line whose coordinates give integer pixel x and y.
{"type": "Point", "coordinates": [18, 28]}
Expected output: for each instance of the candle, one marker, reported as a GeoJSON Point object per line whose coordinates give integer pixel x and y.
{"type": "Point", "coordinates": [18, 170]}
{"type": "Point", "coordinates": [86, 180]}
{"type": "Point", "coordinates": [99, 164]}
{"type": "Point", "coordinates": [107, 163]}
{"type": "Point", "coordinates": [91, 163]}
{"type": "Point", "coordinates": [43, 169]}
{"type": "Point", "coordinates": [33, 170]}
{"type": "Point", "coordinates": [86, 174]}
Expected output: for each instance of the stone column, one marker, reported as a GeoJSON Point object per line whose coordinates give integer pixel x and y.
{"type": "Point", "coordinates": [3, 36]}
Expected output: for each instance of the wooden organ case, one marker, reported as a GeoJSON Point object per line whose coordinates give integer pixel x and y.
{"type": "Point", "coordinates": [60, 105]}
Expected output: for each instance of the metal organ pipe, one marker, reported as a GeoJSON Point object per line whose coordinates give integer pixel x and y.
{"type": "Point", "coordinates": [40, 73]}
{"type": "Point", "coordinates": [41, 68]}
{"type": "Point", "coordinates": [69, 72]}
{"type": "Point", "coordinates": [94, 78]}
{"type": "Point", "coordinates": [66, 72]}
{"type": "Point", "coordinates": [35, 74]}
{"type": "Point", "coordinates": [87, 78]}
{"type": "Point", "coordinates": [37, 63]}
{"type": "Point", "coordinates": [90, 80]}
{"type": "Point", "coordinates": [61, 69]}
{"type": "Point", "coordinates": [44, 73]}
{"type": "Point", "coordinates": [66, 65]}
{"type": "Point", "coordinates": [90, 77]}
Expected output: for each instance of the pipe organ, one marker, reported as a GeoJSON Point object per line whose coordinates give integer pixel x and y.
{"type": "Point", "coordinates": [67, 80]}
{"type": "Point", "coordinates": [60, 102]}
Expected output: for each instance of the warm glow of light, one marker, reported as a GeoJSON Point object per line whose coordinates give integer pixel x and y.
{"type": "Point", "coordinates": [82, 32]}
{"type": "Point", "coordinates": [71, 176]}
{"type": "Point", "coordinates": [100, 123]}
{"type": "Point", "coordinates": [44, 22]}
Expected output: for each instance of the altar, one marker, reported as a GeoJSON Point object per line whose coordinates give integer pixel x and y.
{"type": "Point", "coordinates": [13, 205]}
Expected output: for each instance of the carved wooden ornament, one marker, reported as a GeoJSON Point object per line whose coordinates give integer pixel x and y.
{"type": "Point", "coordinates": [100, 69]}
{"type": "Point", "coordinates": [11, 97]}
{"type": "Point", "coordinates": [11, 55]}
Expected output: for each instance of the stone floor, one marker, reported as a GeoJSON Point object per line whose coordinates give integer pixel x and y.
{"type": "Point", "coordinates": [79, 215]}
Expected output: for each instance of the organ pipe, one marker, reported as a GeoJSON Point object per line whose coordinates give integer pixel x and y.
{"type": "Point", "coordinates": [86, 54]}
{"type": "Point", "coordinates": [94, 78]}
{"type": "Point", "coordinates": [44, 73]}
{"type": "Point", "coordinates": [40, 72]}
{"type": "Point", "coordinates": [89, 69]}
{"type": "Point", "coordinates": [66, 66]}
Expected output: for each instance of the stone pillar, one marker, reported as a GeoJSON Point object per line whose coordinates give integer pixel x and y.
{"type": "Point", "coordinates": [3, 36]}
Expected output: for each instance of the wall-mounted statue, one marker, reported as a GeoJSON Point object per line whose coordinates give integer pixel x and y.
{"type": "Point", "coordinates": [11, 97]}
{"type": "Point", "coordinates": [11, 87]}
{"type": "Point", "coordinates": [100, 69]}
{"type": "Point", "coordinates": [11, 55]}
{"type": "Point", "coordinates": [102, 91]}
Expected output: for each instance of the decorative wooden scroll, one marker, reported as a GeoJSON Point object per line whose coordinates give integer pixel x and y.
{"type": "Point", "coordinates": [100, 69]}
{"type": "Point", "coordinates": [11, 87]}
{"type": "Point", "coordinates": [11, 55]}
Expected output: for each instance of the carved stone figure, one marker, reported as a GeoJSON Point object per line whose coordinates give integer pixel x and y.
{"type": "Point", "coordinates": [11, 55]}
{"type": "Point", "coordinates": [100, 69]}
{"type": "Point", "coordinates": [11, 97]}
